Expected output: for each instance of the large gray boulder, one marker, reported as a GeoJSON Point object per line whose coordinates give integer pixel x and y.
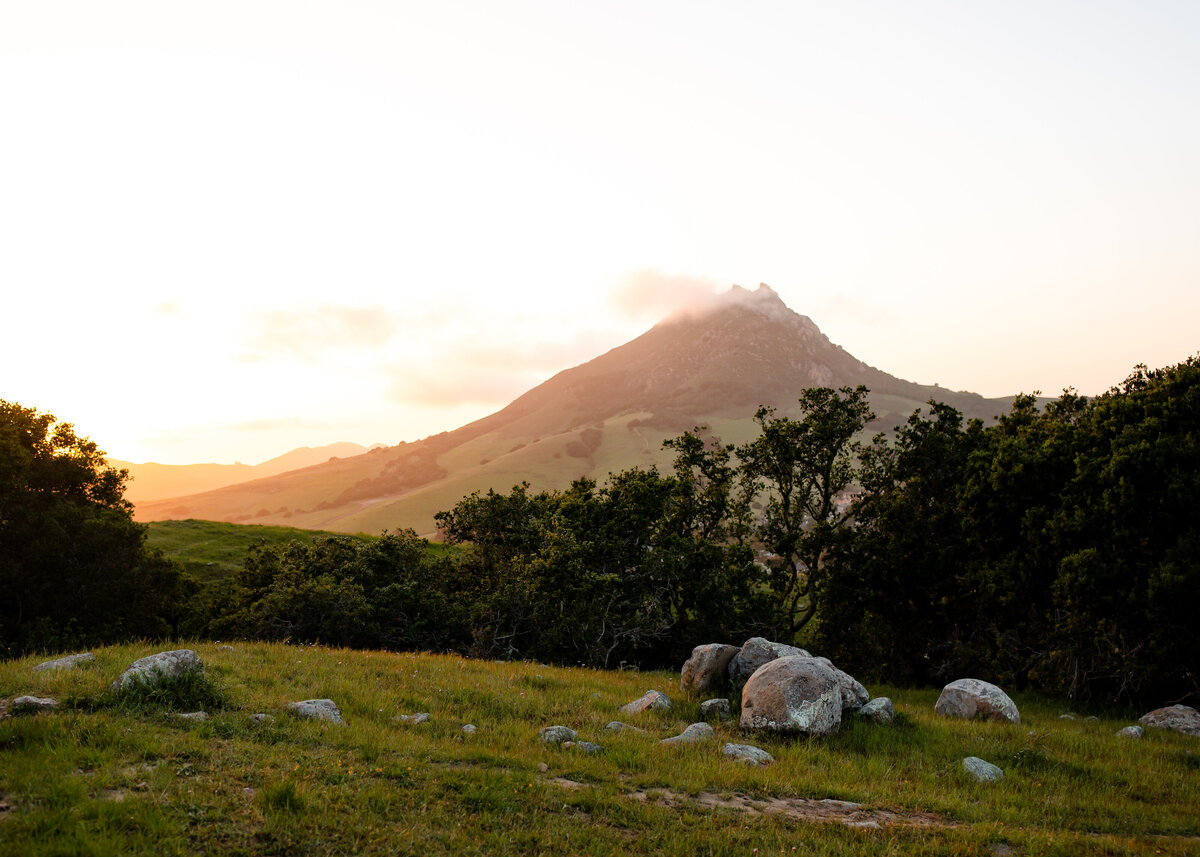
{"type": "Point", "coordinates": [69, 662]}
{"type": "Point", "coordinates": [707, 669]}
{"type": "Point", "coordinates": [316, 709]}
{"type": "Point", "coordinates": [854, 695]}
{"type": "Point", "coordinates": [795, 694]}
{"type": "Point", "coordinates": [754, 653]}
{"type": "Point", "coordinates": [651, 700]}
{"type": "Point", "coordinates": [972, 699]}
{"type": "Point", "coordinates": [1177, 718]}
{"type": "Point", "coordinates": [162, 668]}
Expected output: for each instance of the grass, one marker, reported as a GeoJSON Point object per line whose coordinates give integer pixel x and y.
{"type": "Point", "coordinates": [101, 777]}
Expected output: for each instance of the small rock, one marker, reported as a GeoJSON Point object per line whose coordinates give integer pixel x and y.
{"type": "Point", "coordinates": [469, 729]}
{"type": "Point", "coordinates": [557, 734]}
{"type": "Point", "coordinates": [33, 704]}
{"type": "Point", "coordinates": [694, 734]}
{"type": "Point", "coordinates": [69, 662]}
{"type": "Point", "coordinates": [261, 718]}
{"type": "Point", "coordinates": [983, 772]}
{"type": "Point", "coordinates": [414, 719]}
{"type": "Point", "coordinates": [316, 709]}
{"type": "Point", "coordinates": [583, 747]}
{"type": "Point", "coordinates": [226, 648]}
{"type": "Point", "coordinates": [618, 726]}
{"type": "Point", "coordinates": [867, 824]}
{"type": "Point", "coordinates": [159, 669]}
{"type": "Point", "coordinates": [748, 753]}
{"type": "Point", "coordinates": [1130, 732]}
{"type": "Point", "coordinates": [1092, 718]}
{"type": "Point", "coordinates": [972, 699]}
{"type": "Point", "coordinates": [1176, 718]}
{"type": "Point", "coordinates": [543, 767]}
{"type": "Point", "coordinates": [197, 716]}
{"type": "Point", "coordinates": [651, 700]}
{"type": "Point", "coordinates": [879, 710]}
{"type": "Point", "coordinates": [1067, 716]}
{"type": "Point", "coordinates": [716, 709]}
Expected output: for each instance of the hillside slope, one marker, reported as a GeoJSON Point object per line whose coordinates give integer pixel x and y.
{"type": "Point", "coordinates": [713, 367]}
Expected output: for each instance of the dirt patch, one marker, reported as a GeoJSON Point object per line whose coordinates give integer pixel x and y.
{"type": "Point", "coordinates": [801, 809]}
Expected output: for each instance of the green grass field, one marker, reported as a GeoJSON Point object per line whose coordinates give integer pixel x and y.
{"type": "Point", "coordinates": [102, 777]}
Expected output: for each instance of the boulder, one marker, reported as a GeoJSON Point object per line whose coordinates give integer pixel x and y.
{"type": "Point", "coordinates": [983, 772]}
{"type": "Point", "coordinates": [854, 695]}
{"type": "Point", "coordinates": [795, 694]}
{"type": "Point", "coordinates": [1177, 718]}
{"type": "Point", "coordinates": [69, 662]}
{"type": "Point", "coordinates": [748, 753]}
{"type": "Point", "coordinates": [651, 700]}
{"type": "Point", "coordinates": [1130, 732]}
{"type": "Point", "coordinates": [33, 704]}
{"type": "Point", "coordinates": [618, 726]}
{"type": "Point", "coordinates": [707, 669]}
{"type": "Point", "coordinates": [557, 734]}
{"type": "Point", "coordinates": [316, 709]}
{"type": "Point", "coordinates": [879, 710]}
{"type": "Point", "coordinates": [694, 734]}
{"type": "Point", "coordinates": [972, 699]}
{"type": "Point", "coordinates": [162, 668]}
{"type": "Point", "coordinates": [716, 709]}
{"type": "Point", "coordinates": [754, 653]}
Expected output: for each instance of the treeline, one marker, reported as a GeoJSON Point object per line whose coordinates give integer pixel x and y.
{"type": "Point", "coordinates": [1057, 548]}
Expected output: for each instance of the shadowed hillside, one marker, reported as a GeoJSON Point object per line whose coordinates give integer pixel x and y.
{"type": "Point", "coordinates": [711, 367]}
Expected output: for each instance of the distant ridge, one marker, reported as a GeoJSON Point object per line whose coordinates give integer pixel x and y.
{"type": "Point", "coordinates": [711, 365]}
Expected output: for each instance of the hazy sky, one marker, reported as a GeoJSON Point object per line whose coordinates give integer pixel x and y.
{"type": "Point", "coordinates": [228, 229]}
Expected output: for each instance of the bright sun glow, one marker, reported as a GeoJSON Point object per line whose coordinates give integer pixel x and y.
{"type": "Point", "coordinates": [232, 228]}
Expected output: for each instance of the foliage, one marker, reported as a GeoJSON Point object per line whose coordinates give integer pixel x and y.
{"type": "Point", "coordinates": [1057, 548]}
{"type": "Point", "coordinates": [74, 567]}
{"type": "Point", "coordinates": [803, 465]}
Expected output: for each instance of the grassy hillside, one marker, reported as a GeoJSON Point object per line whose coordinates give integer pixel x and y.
{"type": "Point", "coordinates": [209, 550]}
{"type": "Point", "coordinates": [101, 778]}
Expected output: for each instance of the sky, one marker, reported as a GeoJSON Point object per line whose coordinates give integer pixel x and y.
{"type": "Point", "coordinates": [229, 229]}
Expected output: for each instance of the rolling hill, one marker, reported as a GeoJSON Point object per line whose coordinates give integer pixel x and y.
{"type": "Point", "coordinates": [711, 367]}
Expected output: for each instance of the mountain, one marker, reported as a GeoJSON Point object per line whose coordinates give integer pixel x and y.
{"type": "Point", "coordinates": [713, 366]}
{"type": "Point", "coordinates": [152, 481]}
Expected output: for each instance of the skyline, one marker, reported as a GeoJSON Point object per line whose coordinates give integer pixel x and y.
{"type": "Point", "coordinates": [232, 230]}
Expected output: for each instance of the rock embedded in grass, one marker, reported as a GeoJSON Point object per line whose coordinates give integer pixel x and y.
{"type": "Point", "coordinates": [261, 718]}
{"type": "Point", "coordinates": [878, 710]}
{"type": "Point", "coordinates": [197, 716]}
{"type": "Point", "coordinates": [1130, 732]}
{"type": "Point", "coordinates": [707, 668]}
{"type": "Point", "coordinates": [584, 747]}
{"type": "Point", "coordinates": [69, 662]}
{"type": "Point", "coordinates": [756, 652]}
{"type": "Point", "coordinates": [792, 695]}
{"type": "Point", "coordinates": [651, 700]}
{"type": "Point", "coordinates": [983, 772]}
{"type": "Point", "coordinates": [557, 734]}
{"type": "Point", "coordinates": [1176, 718]}
{"type": "Point", "coordinates": [317, 709]}
{"type": "Point", "coordinates": [973, 699]}
{"type": "Point", "coordinates": [468, 729]}
{"type": "Point", "coordinates": [716, 709]}
{"type": "Point", "coordinates": [160, 669]}
{"type": "Point", "coordinates": [694, 734]}
{"type": "Point", "coordinates": [618, 726]}
{"type": "Point", "coordinates": [414, 719]}
{"type": "Point", "coordinates": [33, 704]}
{"type": "Point", "coordinates": [748, 754]}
